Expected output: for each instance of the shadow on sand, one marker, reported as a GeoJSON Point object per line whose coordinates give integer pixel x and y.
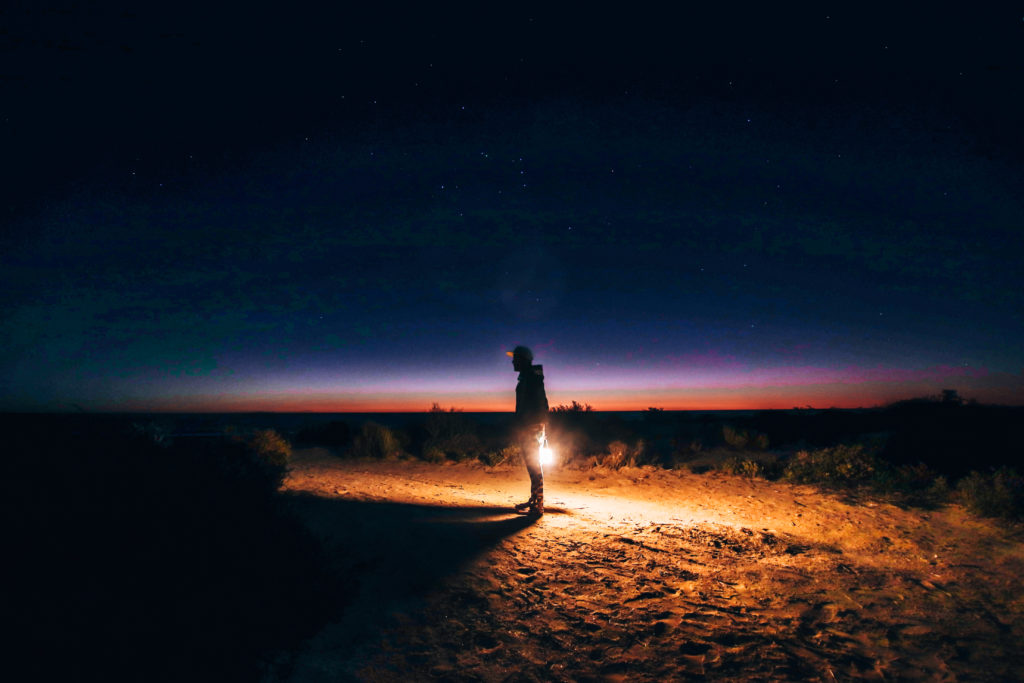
{"type": "Point", "coordinates": [397, 550]}
{"type": "Point", "coordinates": [135, 560]}
{"type": "Point", "coordinates": [392, 555]}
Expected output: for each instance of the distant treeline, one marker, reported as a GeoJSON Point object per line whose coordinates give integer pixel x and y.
{"type": "Point", "coordinates": [952, 437]}
{"type": "Point", "coordinates": [944, 432]}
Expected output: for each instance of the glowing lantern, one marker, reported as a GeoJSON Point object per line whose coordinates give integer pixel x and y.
{"type": "Point", "coordinates": [547, 456]}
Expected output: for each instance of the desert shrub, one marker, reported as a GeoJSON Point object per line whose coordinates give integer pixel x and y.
{"type": "Point", "coordinates": [621, 454]}
{"type": "Point", "coordinates": [433, 455]}
{"type": "Point", "coordinates": [377, 442]}
{"type": "Point", "coordinates": [574, 408]}
{"type": "Point", "coordinates": [656, 416]}
{"type": "Point", "coordinates": [617, 455]}
{"type": "Point", "coordinates": [999, 493]}
{"type": "Point", "coordinates": [270, 446]}
{"type": "Point", "coordinates": [576, 430]}
{"type": "Point", "coordinates": [643, 453]}
{"type": "Point", "coordinates": [448, 431]}
{"type": "Point", "coordinates": [270, 453]}
{"type": "Point", "coordinates": [460, 447]}
{"type": "Point", "coordinates": [582, 433]}
{"type": "Point", "coordinates": [917, 485]}
{"type": "Point", "coordinates": [501, 456]}
{"type": "Point", "coordinates": [654, 451]}
{"type": "Point", "coordinates": [928, 494]}
{"type": "Point", "coordinates": [490, 457]}
{"type": "Point", "coordinates": [744, 467]}
{"type": "Point", "coordinates": [683, 451]}
{"type": "Point", "coordinates": [743, 439]}
{"type": "Point", "coordinates": [183, 553]}
{"type": "Point", "coordinates": [734, 437]}
{"type": "Point", "coordinates": [841, 465]}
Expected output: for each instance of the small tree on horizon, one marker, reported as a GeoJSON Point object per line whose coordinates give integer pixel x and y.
{"type": "Point", "coordinates": [574, 407]}
{"type": "Point", "coordinates": [951, 397]}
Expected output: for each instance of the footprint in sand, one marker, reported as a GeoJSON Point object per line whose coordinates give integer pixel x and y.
{"type": "Point", "coordinates": [486, 643]}
{"type": "Point", "coordinates": [694, 648]}
{"type": "Point", "coordinates": [660, 629]}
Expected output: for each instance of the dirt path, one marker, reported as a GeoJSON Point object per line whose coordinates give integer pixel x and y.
{"type": "Point", "coordinates": [650, 575]}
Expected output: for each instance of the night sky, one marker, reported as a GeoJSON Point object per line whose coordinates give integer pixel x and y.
{"type": "Point", "coordinates": [363, 209]}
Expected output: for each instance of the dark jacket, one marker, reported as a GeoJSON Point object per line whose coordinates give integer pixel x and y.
{"type": "Point", "coordinates": [531, 401]}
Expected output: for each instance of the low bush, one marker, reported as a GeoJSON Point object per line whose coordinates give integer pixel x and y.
{"type": "Point", "coordinates": [619, 454]}
{"type": "Point", "coordinates": [449, 435]}
{"type": "Point", "coordinates": [504, 456]}
{"type": "Point", "coordinates": [270, 446]}
{"type": "Point", "coordinates": [433, 455]}
{"type": "Point", "coordinates": [655, 451]}
{"type": "Point", "coordinates": [917, 485]}
{"type": "Point", "coordinates": [166, 559]}
{"type": "Point", "coordinates": [271, 451]}
{"type": "Point", "coordinates": [683, 451]}
{"type": "Point", "coordinates": [999, 493]}
{"type": "Point", "coordinates": [745, 467]}
{"type": "Point", "coordinates": [573, 409]}
{"type": "Point", "coordinates": [582, 433]}
{"type": "Point", "coordinates": [377, 442]}
{"type": "Point", "coordinates": [460, 447]}
{"type": "Point", "coordinates": [743, 439]}
{"type": "Point", "coordinates": [845, 464]}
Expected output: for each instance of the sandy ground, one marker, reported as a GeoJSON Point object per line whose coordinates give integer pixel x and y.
{"type": "Point", "coordinates": [644, 574]}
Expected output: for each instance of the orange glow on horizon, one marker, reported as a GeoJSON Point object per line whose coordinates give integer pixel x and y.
{"type": "Point", "coordinates": [298, 404]}
{"type": "Point", "coordinates": [826, 395]}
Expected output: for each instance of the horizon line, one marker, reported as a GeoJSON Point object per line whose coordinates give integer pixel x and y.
{"type": "Point", "coordinates": [241, 411]}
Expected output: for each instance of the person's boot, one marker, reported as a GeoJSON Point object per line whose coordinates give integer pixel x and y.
{"type": "Point", "coordinates": [537, 509]}
{"type": "Point", "coordinates": [521, 508]}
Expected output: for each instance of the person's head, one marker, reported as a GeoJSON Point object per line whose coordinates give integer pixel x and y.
{"type": "Point", "coordinates": [522, 358]}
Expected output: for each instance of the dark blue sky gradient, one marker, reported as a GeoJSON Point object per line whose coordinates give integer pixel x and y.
{"type": "Point", "coordinates": [363, 212]}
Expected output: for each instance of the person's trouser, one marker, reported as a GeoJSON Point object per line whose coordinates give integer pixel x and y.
{"type": "Point", "coordinates": [531, 456]}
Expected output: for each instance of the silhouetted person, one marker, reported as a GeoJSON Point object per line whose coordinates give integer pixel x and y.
{"type": "Point", "coordinates": [530, 424]}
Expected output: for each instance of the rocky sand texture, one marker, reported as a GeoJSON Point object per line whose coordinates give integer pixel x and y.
{"type": "Point", "coordinates": [646, 574]}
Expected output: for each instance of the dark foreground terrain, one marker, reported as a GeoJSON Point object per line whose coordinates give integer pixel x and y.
{"type": "Point", "coordinates": [672, 548]}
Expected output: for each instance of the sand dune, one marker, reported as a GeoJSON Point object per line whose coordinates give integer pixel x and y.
{"type": "Point", "coordinates": [644, 574]}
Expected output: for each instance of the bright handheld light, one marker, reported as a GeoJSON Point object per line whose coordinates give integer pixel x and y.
{"type": "Point", "coordinates": [547, 456]}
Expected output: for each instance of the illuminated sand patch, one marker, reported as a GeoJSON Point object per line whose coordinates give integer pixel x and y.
{"type": "Point", "coordinates": [643, 574]}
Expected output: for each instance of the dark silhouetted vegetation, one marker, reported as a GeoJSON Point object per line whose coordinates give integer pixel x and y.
{"type": "Point", "coordinates": [573, 408]}
{"type": "Point", "coordinates": [746, 467]}
{"type": "Point", "coordinates": [913, 448]}
{"type": "Point", "coordinates": [450, 435]}
{"type": "Point", "coordinates": [744, 439]}
{"type": "Point", "coordinates": [915, 451]}
{"type": "Point", "coordinates": [142, 558]}
{"type": "Point", "coordinates": [997, 493]}
{"type": "Point", "coordinates": [378, 442]}
{"type": "Point", "coordinates": [839, 465]}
